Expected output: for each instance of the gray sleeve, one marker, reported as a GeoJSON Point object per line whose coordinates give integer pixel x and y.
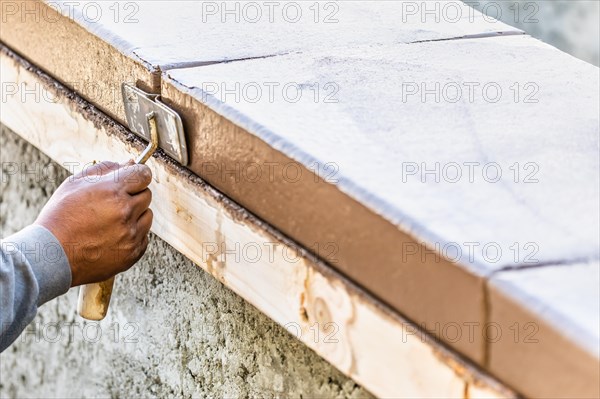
{"type": "Point", "coordinates": [33, 270]}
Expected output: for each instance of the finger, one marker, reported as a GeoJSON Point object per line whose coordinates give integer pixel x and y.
{"type": "Point", "coordinates": [145, 222]}
{"type": "Point", "coordinates": [140, 203]}
{"type": "Point", "coordinates": [134, 178]}
{"type": "Point", "coordinates": [98, 169]}
{"type": "Point", "coordinates": [141, 249]}
{"type": "Point", "coordinates": [136, 253]}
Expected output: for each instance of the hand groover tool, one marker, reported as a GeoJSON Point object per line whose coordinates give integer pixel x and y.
{"type": "Point", "coordinates": [152, 120]}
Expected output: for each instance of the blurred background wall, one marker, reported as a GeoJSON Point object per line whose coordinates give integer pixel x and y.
{"type": "Point", "coordinates": [571, 25]}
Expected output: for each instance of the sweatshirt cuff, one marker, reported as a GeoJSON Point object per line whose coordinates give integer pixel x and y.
{"type": "Point", "coordinates": [47, 259]}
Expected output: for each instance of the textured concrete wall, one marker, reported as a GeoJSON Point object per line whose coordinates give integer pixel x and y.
{"type": "Point", "coordinates": [173, 331]}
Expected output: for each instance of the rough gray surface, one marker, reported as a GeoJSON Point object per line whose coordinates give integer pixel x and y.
{"type": "Point", "coordinates": [172, 331]}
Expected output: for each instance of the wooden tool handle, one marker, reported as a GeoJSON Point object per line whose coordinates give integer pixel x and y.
{"type": "Point", "coordinates": [94, 299]}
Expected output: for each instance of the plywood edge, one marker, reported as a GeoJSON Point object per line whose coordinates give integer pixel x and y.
{"type": "Point", "coordinates": [355, 333]}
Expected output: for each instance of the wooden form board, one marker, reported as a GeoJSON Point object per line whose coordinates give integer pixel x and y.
{"type": "Point", "coordinates": [387, 354]}
{"type": "Point", "coordinates": [383, 232]}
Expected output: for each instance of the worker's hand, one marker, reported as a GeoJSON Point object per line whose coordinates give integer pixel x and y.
{"type": "Point", "coordinates": [101, 218]}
